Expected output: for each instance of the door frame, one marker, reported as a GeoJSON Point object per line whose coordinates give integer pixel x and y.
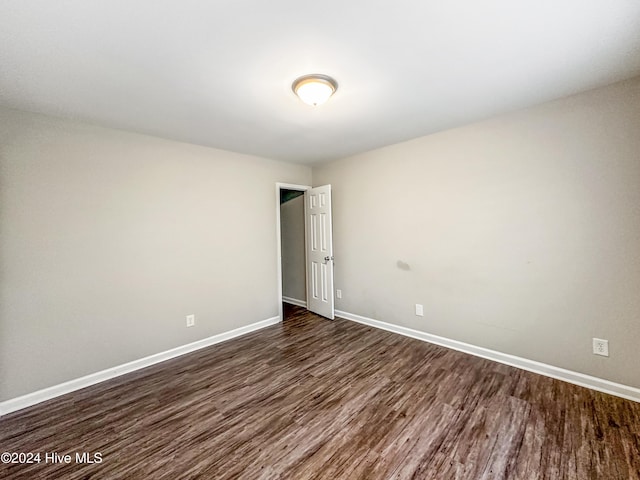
{"type": "Point", "coordinates": [300, 188]}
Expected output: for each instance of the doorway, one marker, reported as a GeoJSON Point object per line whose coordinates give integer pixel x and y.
{"type": "Point", "coordinates": [305, 223]}
{"type": "Point", "coordinates": [292, 260]}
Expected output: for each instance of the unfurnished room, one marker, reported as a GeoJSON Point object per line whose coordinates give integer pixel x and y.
{"type": "Point", "coordinates": [338, 240]}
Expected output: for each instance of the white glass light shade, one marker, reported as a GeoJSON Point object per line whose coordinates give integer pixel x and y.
{"type": "Point", "coordinates": [314, 89]}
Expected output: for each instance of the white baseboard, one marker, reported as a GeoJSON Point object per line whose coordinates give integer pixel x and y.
{"type": "Point", "coordinates": [601, 385]}
{"type": "Point", "coordinates": [294, 301]}
{"type": "Point", "coordinates": [594, 383]}
{"type": "Point", "coordinates": [30, 399]}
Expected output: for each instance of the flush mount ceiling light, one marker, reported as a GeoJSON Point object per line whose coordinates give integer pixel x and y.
{"type": "Point", "coordinates": [314, 89]}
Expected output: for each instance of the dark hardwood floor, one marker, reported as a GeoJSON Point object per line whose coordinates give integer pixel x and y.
{"type": "Point", "coordinates": [311, 398]}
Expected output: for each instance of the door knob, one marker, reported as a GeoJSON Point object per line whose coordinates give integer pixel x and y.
{"type": "Point", "coordinates": [327, 258]}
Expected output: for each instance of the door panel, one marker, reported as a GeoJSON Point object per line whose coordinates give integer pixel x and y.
{"type": "Point", "coordinates": [319, 251]}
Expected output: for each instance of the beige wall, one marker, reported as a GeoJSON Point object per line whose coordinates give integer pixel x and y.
{"type": "Point", "coordinates": [293, 258]}
{"type": "Point", "coordinates": [521, 233]}
{"type": "Point", "coordinates": [108, 239]}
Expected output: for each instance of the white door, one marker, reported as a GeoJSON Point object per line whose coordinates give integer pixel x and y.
{"type": "Point", "coordinates": [319, 245]}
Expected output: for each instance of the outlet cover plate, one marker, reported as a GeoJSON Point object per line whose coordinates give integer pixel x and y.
{"type": "Point", "coordinates": [191, 320]}
{"type": "Point", "coordinates": [601, 347]}
{"type": "Point", "coordinates": [419, 310]}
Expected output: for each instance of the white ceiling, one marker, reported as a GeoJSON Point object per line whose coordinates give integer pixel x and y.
{"type": "Point", "coordinates": [219, 73]}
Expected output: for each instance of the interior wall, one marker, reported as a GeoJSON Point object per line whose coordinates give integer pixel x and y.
{"type": "Point", "coordinates": [293, 255]}
{"type": "Point", "coordinates": [520, 233]}
{"type": "Point", "coordinates": [109, 239]}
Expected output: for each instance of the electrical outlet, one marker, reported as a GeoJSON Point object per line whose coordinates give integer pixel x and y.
{"type": "Point", "coordinates": [339, 293]}
{"type": "Point", "coordinates": [419, 310]}
{"type": "Point", "coordinates": [191, 320]}
{"type": "Point", "coordinates": [601, 347]}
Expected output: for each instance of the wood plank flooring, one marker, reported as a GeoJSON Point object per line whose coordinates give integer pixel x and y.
{"type": "Point", "coordinates": [314, 399]}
